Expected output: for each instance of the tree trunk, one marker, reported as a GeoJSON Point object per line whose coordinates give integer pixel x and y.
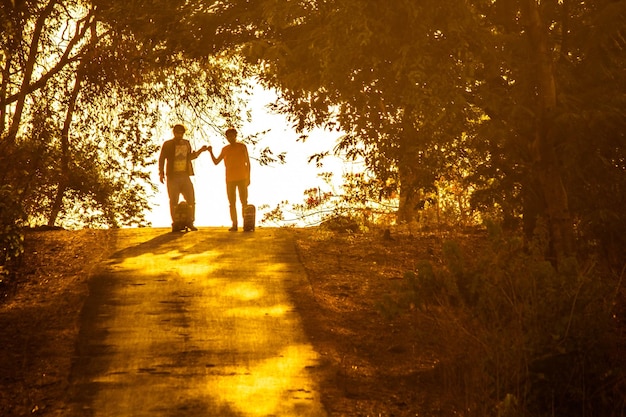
{"type": "Point", "coordinates": [533, 206]}
{"type": "Point", "coordinates": [407, 202]}
{"type": "Point", "coordinates": [28, 72]}
{"type": "Point", "coordinates": [66, 156]}
{"type": "Point", "coordinates": [546, 167]}
{"type": "Point", "coordinates": [6, 72]}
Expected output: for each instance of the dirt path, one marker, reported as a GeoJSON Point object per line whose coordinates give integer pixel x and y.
{"type": "Point", "coordinates": [195, 324]}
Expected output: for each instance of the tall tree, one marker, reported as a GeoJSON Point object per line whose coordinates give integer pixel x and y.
{"type": "Point", "coordinates": [532, 86]}
{"type": "Point", "coordinates": [390, 77]}
{"type": "Point", "coordinates": [411, 83]}
{"type": "Point", "coordinates": [20, 97]}
{"type": "Point", "coordinates": [83, 89]}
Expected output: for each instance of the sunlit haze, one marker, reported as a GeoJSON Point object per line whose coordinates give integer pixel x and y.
{"type": "Point", "coordinates": [269, 185]}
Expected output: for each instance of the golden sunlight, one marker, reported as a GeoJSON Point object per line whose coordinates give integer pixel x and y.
{"type": "Point", "coordinates": [185, 327]}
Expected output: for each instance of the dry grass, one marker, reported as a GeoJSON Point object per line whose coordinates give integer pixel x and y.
{"type": "Point", "coordinates": [379, 351]}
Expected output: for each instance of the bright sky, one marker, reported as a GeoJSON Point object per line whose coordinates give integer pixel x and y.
{"type": "Point", "coordinates": [269, 184]}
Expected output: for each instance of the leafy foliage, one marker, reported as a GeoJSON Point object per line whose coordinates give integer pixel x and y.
{"type": "Point", "coordinates": [11, 234]}
{"type": "Point", "coordinates": [353, 206]}
{"type": "Point", "coordinates": [517, 337]}
{"type": "Point", "coordinates": [359, 74]}
{"type": "Point", "coordinates": [452, 93]}
{"type": "Point", "coordinates": [79, 143]}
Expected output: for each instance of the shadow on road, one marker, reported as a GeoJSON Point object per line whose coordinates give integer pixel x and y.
{"type": "Point", "coordinates": [196, 324]}
{"type": "Point", "coordinates": [157, 245]}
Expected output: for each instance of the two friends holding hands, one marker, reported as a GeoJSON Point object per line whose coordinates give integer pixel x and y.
{"type": "Point", "coordinates": [175, 165]}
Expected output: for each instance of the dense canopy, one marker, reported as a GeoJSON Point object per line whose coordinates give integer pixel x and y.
{"type": "Point", "coordinates": [509, 110]}
{"type": "Point", "coordinates": [507, 115]}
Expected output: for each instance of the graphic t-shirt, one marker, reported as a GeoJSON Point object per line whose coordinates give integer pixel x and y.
{"type": "Point", "coordinates": [180, 158]}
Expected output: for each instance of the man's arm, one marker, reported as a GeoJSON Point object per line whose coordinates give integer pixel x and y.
{"type": "Point", "coordinates": [162, 164]}
{"type": "Point", "coordinates": [197, 153]}
{"type": "Point", "coordinates": [247, 162]}
{"type": "Point", "coordinates": [219, 158]}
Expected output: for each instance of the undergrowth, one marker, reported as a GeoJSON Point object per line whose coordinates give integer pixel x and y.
{"type": "Point", "coordinates": [518, 337]}
{"type": "Point", "coordinates": [11, 233]}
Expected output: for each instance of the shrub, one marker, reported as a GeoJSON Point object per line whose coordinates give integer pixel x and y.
{"type": "Point", "coordinates": [341, 223]}
{"type": "Point", "coordinates": [516, 337]}
{"type": "Point", "coordinates": [11, 228]}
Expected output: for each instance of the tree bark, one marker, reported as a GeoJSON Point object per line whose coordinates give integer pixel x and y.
{"type": "Point", "coordinates": [66, 156]}
{"type": "Point", "coordinates": [546, 167]}
{"type": "Point", "coordinates": [406, 173]}
{"type": "Point", "coordinates": [65, 152]}
{"type": "Point", "coordinates": [407, 201]}
{"type": "Point", "coordinates": [6, 72]}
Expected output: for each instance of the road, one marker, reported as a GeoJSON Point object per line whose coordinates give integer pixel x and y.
{"type": "Point", "coordinates": [195, 324]}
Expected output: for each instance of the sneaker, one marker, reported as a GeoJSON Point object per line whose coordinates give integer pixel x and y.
{"type": "Point", "coordinates": [233, 229]}
{"type": "Point", "coordinates": [193, 228]}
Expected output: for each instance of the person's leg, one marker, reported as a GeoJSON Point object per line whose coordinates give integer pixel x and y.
{"type": "Point", "coordinates": [231, 191]}
{"type": "Point", "coordinates": [243, 198]}
{"type": "Point", "coordinates": [173, 192]}
{"type": "Point", "coordinates": [189, 195]}
{"type": "Point", "coordinates": [243, 193]}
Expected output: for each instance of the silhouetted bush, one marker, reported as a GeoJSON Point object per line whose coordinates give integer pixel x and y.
{"type": "Point", "coordinates": [517, 337]}
{"type": "Point", "coordinates": [341, 224]}
{"type": "Point", "coordinates": [11, 228]}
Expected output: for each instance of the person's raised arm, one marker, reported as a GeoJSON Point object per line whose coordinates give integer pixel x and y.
{"type": "Point", "coordinates": [197, 153]}
{"type": "Point", "coordinates": [219, 158]}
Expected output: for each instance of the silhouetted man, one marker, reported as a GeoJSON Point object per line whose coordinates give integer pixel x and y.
{"type": "Point", "coordinates": [178, 169]}
{"type": "Point", "coordinates": [237, 163]}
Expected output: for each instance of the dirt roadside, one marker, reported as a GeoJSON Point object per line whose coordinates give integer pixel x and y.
{"type": "Point", "coordinates": [376, 364]}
